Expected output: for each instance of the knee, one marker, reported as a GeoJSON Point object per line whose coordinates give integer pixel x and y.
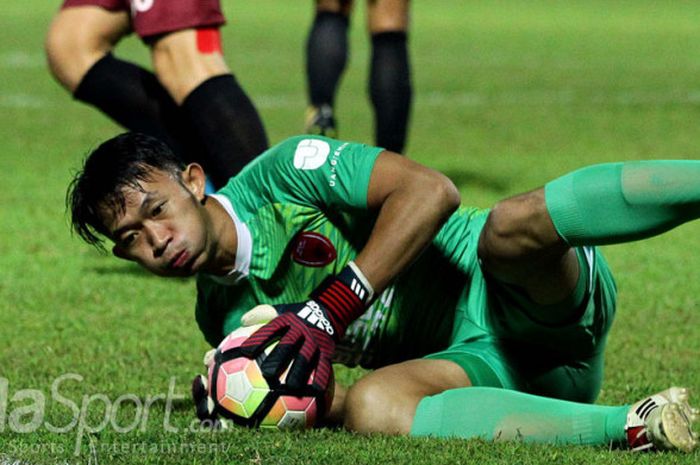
{"type": "Point", "coordinates": [372, 406]}
{"type": "Point", "coordinates": [516, 230]}
{"type": "Point", "coordinates": [69, 53]}
{"type": "Point", "coordinates": [334, 6]}
{"type": "Point", "coordinates": [73, 44]}
{"type": "Point", "coordinates": [388, 16]}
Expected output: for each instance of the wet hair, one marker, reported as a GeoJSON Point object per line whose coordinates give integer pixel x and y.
{"type": "Point", "coordinates": [123, 161]}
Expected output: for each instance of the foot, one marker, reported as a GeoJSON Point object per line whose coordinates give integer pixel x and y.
{"type": "Point", "coordinates": [662, 421]}
{"type": "Point", "coordinates": [320, 121]}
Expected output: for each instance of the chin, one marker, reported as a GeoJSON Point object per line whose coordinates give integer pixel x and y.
{"type": "Point", "coordinates": [178, 273]}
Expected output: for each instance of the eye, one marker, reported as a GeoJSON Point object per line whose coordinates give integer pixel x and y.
{"type": "Point", "coordinates": [158, 209]}
{"type": "Point", "coordinates": [129, 239]}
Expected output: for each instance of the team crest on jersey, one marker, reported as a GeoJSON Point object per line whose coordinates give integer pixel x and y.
{"type": "Point", "coordinates": [313, 249]}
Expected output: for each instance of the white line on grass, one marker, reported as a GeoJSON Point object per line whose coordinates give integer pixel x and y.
{"type": "Point", "coordinates": [19, 59]}
{"type": "Point", "coordinates": [456, 99]}
{"type": "Point", "coordinates": [535, 97]}
{"type": "Point", "coordinates": [21, 101]}
{"type": "Point", "coordinates": [538, 97]}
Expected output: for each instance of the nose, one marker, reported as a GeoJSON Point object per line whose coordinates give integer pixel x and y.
{"type": "Point", "coordinates": [159, 238]}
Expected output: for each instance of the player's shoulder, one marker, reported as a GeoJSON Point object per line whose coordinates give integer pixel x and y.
{"type": "Point", "coordinates": [308, 156]}
{"type": "Point", "coordinates": [302, 153]}
{"type": "Point", "coordinates": [295, 151]}
{"type": "Point", "coordinates": [305, 150]}
{"type": "Point", "coordinates": [309, 152]}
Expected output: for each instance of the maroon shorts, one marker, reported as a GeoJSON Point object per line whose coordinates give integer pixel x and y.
{"type": "Point", "coordinates": [154, 17]}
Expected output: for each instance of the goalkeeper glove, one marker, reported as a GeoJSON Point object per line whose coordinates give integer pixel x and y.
{"type": "Point", "coordinates": [308, 331]}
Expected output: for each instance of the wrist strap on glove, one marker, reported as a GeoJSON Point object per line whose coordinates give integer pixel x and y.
{"type": "Point", "coordinates": [344, 297]}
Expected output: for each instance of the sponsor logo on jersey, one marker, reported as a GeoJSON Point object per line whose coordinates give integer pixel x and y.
{"type": "Point", "coordinates": [334, 163]}
{"type": "Point", "coordinates": [141, 6]}
{"type": "Point", "coordinates": [314, 316]}
{"type": "Point", "coordinates": [311, 154]}
{"type": "Point", "coordinates": [313, 249]}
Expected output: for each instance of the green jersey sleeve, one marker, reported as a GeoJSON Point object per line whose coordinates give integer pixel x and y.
{"type": "Point", "coordinates": [317, 172]}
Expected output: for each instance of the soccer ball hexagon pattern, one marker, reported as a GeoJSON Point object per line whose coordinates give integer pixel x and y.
{"type": "Point", "coordinates": [241, 386]}
{"type": "Point", "coordinates": [291, 412]}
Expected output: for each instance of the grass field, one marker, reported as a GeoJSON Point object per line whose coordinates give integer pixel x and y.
{"type": "Point", "coordinates": [509, 94]}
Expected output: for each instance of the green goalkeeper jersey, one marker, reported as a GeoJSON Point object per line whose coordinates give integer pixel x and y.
{"type": "Point", "coordinates": [301, 214]}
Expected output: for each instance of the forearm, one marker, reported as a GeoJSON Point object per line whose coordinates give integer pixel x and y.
{"type": "Point", "coordinates": [409, 218]}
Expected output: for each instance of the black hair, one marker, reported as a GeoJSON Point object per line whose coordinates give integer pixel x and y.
{"type": "Point", "coordinates": [123, 161]}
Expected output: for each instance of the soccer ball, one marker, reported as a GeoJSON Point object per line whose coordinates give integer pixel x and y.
{"type": "Point", "coordinates": [242, 394]}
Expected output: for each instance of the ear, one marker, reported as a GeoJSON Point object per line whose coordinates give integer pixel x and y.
{"type": "Point", "coordinates": [194, 179]}
{"type": "Point", "coordinates": [120, 253]}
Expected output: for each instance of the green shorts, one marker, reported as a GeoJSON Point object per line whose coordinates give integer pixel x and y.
{"type": "Point", "coordinates": [498, 342]}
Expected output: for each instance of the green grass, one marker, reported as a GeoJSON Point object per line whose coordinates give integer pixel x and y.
{"type": "Point", "coordinates": [508, 95]}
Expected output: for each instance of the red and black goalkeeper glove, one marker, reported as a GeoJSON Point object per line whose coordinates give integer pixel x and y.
{"type": "Point", "coordinates": [308, 331]}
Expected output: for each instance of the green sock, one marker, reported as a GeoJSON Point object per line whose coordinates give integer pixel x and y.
{"type": "Point", "coordinates": [620, 202]}
{"type": "Point", "coordinates": [501, 414]}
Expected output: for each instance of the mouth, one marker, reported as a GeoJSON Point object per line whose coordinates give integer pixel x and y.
{"type": "Point", "coordinates": [179, 260]}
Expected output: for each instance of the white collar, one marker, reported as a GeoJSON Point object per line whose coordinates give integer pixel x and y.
{"type": "Point", "coordinates": [244, 250]}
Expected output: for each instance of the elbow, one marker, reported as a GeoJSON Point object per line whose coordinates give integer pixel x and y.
{"type": "Point", "coordinates": [436, 192]}
{"type": "Point", "coordinates": [446, 193]}
{"type": "Point", "coordinates": [454, 197]}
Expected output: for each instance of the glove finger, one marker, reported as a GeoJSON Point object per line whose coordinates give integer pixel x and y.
{"type": "Point", "coordinates": [209, 357]}
{"type": "Point", "coordinates": [280, 357]}
{"type": "Point", "coordinates": [205, 409]}
{"type": "Point", "coordinates": [258, 315]}
{"type": "Point", "coordinates": [199, 388]}
{"type": "Point", "coordinates": [304, 363]}
{"type": "Point", "coordinates": [261, 338]}
{"type": "Point", "coordinates": [323, 374]}
{"type": "Point", "coordinates": [204, 405]}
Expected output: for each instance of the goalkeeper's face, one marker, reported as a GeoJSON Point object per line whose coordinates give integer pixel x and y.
{"type": "Point", "coordinates": [164, 225]}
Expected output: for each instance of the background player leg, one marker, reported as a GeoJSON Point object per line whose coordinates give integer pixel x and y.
{"type": "Point", "coordinates": [326, 57]}
{"type": "Point", "coordinates": [78, 47]}
{"type": "Point", "coordinates": [390, 74]}
{"type": "Point", "coordinates": [191, 67]}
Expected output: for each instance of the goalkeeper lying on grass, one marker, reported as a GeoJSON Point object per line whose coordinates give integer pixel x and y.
{"type": "Point", "coordinates": [480, 323]}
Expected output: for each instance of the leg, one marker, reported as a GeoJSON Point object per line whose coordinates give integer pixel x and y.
{"type": "Point", "coordinates": [432, 398]}
{"type": "Point", "coordinates": [78, 47]}
{"type": "Point", "coordinates": [215, 106]}
{"type": "Point", "coordinates": [78, 37]}
{"type": "Point", "coordinates": [326, 57]}
{"type": "Point", "coordinates": [390, 75]}
{"type": "Point", "coordinates": [519, 245]}
{"type": "Point", "coordinates": [386, 399]}
{"type": "Point", "coordinates": [526, 240]}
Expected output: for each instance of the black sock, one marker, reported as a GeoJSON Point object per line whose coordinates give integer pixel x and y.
{"type": "Point", "coordinates": [326, 56]}
{"type": "Point", "coordinates": [227, 125]}
{"type": "Point", "coordinates": [133, 97]}
{"type": "Point", "coordinates": [390, 89]}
